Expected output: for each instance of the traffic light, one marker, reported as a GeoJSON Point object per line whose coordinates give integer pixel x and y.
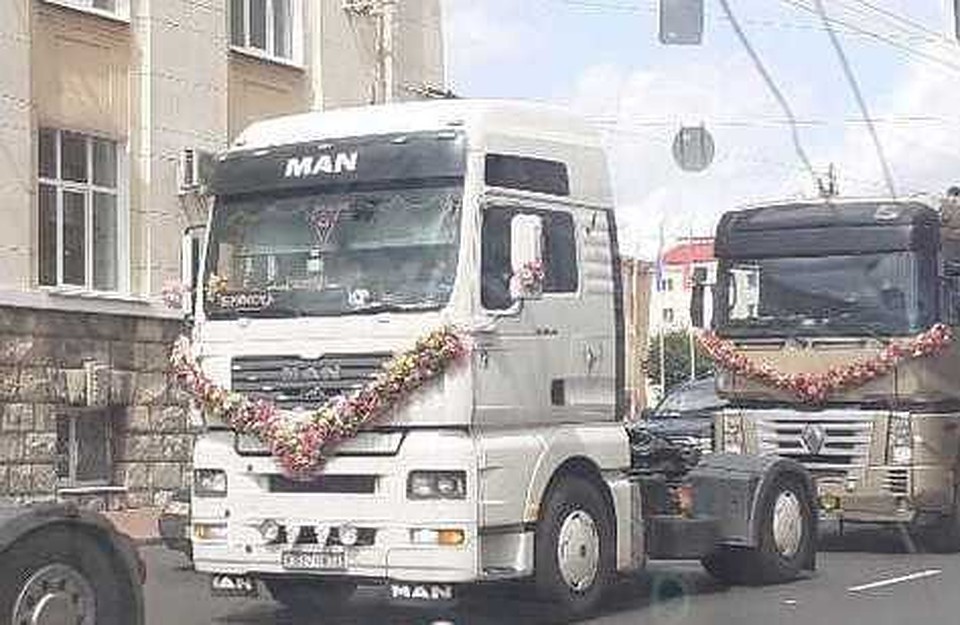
{"type": "Point", "coordinates": [681, 22]}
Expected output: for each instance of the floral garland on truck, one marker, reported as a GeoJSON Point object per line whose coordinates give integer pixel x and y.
{"type": "Point", "coordinates": [298, 441]}
{"type": "Point", "coordinates": [814, 388]}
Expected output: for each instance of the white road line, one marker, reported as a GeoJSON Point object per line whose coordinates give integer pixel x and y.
{"type": "Point", "coordinates": [896, 580]}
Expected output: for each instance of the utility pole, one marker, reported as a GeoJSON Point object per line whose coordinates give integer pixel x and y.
{"type": "Point", "coordinates": [384, 12]}
{"type": "Point", "coordinates": [385, 20]}
{"type": "Point", "coordinates": [831, 187]}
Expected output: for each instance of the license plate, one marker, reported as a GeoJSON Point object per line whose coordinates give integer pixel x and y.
{"type": "Point", "coordinates": [233, 586]}
{"type": "Point", "coordinates": [314, 560]}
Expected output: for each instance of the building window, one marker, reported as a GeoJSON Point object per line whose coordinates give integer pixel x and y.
{"type": "Point", "coordinates": [265, 27]}
{"type": "Point", "coordinates": [78, 199]}
{"type": "Point", "coordinates": [668, 315]}
{"type": "Point", "coordinates": [84, 449]}
{"type": "Point", "coordinates": [666, 284]}
{"type": "Point", "coordinates": [112, 8]}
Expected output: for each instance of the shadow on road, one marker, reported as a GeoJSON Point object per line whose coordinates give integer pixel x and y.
{"type": "Point", "coordinates": [663, 594]}
{"type": "Point", "coordinates": [863, 538]}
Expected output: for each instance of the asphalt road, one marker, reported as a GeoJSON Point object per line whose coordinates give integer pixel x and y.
{"type": "Point", "coordinates": [914, 588]}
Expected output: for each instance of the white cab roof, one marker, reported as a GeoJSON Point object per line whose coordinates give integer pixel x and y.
{"type": "Point", "coordinates": [479, 117]}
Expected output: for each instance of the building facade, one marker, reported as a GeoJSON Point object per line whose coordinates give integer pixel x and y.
{"type": "Point", "coordinates": [682, 265]}
{"type": "Point", "coordinates": [108, 109]}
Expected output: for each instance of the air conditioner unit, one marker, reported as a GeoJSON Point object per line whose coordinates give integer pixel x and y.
{"type": "Point", "coordinates": [193, 170]}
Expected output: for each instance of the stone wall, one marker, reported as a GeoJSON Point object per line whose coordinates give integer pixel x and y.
{"type": "Point", "coordinates": [54, 363]}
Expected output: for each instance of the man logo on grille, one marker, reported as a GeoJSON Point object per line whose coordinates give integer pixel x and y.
{"type": "Point", "coordinates": [812, 438]}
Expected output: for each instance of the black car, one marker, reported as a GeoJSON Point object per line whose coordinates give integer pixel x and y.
{"type": "Point", "coordinates": [686, 414]}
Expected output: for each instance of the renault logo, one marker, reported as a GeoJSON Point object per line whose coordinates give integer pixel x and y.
{"type": "Point", "coordinates": [812, 438]}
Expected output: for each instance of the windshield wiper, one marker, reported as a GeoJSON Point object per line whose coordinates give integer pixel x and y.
{"type": "Point", "coordinates": [386, 307]}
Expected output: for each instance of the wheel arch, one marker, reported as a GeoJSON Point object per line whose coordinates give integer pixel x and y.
{"type": "Point", "coordinates": [581, 467]}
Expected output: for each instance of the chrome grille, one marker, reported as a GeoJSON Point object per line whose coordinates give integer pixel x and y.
{"type": "Point", "coordinates": [897, 481]}
{"type": "Point", "coordinates": [825, 441]}
{"type": "Point", "coordinates": [292, 382]}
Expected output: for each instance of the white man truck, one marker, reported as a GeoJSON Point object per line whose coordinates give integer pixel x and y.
{"type": "Point", "coordinates": [339, 238]}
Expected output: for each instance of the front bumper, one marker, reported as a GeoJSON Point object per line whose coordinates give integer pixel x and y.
{"type": "Point", "coordinates": [887, 494]}
{"type": "Point", "coordinates": [367, 492]}
{"type": "Point", "coordinates": [391, 558]}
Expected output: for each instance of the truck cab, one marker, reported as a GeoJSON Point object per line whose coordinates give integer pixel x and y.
{"type": "Point", "coordinates": [819, 289]}
{"type": "Point", "coordinates": [340, 238]}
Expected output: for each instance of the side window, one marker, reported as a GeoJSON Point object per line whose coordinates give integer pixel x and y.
{"type": "Point", "coordinates": [559, 255]}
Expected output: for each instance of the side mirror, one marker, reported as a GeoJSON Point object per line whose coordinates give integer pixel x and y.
{"type": "Point", "coordinates": [526, 257]}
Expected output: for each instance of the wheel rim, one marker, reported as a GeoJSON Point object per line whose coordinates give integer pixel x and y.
{"type": "Point", "coordinates": [787, 524]}
{"type": "Point", "coordinates": [55, 595]}
{"type": "Point", "coordinates": [578, 550]}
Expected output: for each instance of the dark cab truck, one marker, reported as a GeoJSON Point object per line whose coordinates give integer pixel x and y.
{"type": "Point", "coordinates": [62, 565]}
{"type": "Point", "coordinates": [815, 287]}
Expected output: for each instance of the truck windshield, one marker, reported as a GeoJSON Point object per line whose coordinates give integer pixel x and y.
{"type": "Point", "coordinates": [339, 253]}
{"type": "Point", "coordinates": [871, 293]}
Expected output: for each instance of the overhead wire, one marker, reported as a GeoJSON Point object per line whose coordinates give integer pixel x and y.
{"type": "Point", "coordinates": [920, 54]}
{"type": "Point", "coordinates": [772, 86]}
{"type": "Point", "coordinates": [858, 96]}
{"type": "Point", "coordinates": [911, 23]}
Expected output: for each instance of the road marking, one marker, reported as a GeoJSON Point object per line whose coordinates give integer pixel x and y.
{"type": "Point", "coordinates": [896, 580]}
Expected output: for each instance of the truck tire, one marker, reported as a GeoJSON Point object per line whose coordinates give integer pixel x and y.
{"type": "Point", "coordinates": [61, 575]}
{"type": "Point", "coordinates": [574, 557]}
{"type": "Point", "coordinates": [310, 597]}
{"type": "Point", "coordinates": [784, 545]}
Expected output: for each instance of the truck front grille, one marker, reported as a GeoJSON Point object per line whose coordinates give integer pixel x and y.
{"type": "Point", "coordinates": [334, 484]}
{"type": "Point", "coordinates": [825, 442]}
{"type": "Point", "coordinates": [897, 481]}
{"type": "Point", "coordinates": [292, 382]}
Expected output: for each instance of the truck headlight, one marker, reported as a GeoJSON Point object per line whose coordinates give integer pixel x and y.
{"type": "Point", "coordinates": [732, 434]}
{"type": "Point", "coordinates": [437, 485]}
{"type": "Point", "coordinates": [209, 483]}
{"type": "Point", "coordinates": [900, 439]}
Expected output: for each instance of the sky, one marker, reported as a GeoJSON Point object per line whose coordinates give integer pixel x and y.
{"type": "Point", "coordinates": [603, 59]}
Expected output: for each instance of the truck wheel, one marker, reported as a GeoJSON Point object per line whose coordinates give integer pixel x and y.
{"type": "Point", "coordinates": [786, 541]}
{"type": "Point", "coordinates": [575, 552]}
{"type": "Point", "coordinates": [60, 576]}
{"type": "Point", "coordinates": [302, 596]}
{"type": "Point", "coordinates": [729, 564]}
{"type": "Point", "coordinates": [785, 544]}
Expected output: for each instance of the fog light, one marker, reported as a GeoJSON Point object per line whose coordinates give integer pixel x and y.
{"type": "Point", "coordinates": [270, 531]}
{"type": "Point", "coordinates": [210, 531]}
{"type": "Point", "coordinates": [451, 537]}
{"type": "Point", "coordinates": [348, 535]}
{"type": "Point", "coordinates": [424, 537]}
{"type": "Point", "coordinates": [445, 537]}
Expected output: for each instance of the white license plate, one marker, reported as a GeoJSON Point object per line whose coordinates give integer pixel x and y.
{"type": "Point", "coordinates": [314, 561]}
